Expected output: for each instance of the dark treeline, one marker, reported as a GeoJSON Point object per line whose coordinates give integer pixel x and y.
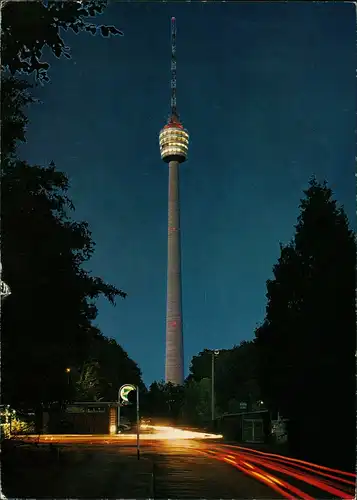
{"type": "Point", "coordinates": [52, 352]}
{"type": "Point", "coordinates": [307, 342]}
{"type": "Point", "coordinates": [301, 361]}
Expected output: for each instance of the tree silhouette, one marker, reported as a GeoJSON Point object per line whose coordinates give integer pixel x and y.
{"type": "Point", "coordinates": [88, 385]}
{"type": "Point", "coordinates": [307, 342]}
{"type": "Point", "coordinates": [115, 367]}
{"type": "Point", "coordinates": [28, 27]}
{"type": "Point", "coordinates": [47, 320]}
{"type": "Point", "coordinates": [235, 375]}
{"type": "Point", "coordinates": [15, 97]}
{"type": "Point", "coordinates": [196, 408]}
{"type": "Point", "coordinates": [163, 401]}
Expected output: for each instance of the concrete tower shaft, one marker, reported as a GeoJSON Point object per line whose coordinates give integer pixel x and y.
{"type": "Point", "coordinates": [174, 370]}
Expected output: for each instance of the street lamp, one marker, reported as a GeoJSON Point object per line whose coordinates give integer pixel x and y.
{"type": "Point", "coordinates": [68, 370]}
{"type": "Point", "coordinates": [214, 354]}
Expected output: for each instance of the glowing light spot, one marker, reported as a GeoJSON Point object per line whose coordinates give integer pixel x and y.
{"type": "Point", "coordinates": [248, 465]}
{"type": "Point", "coordinates": [160, 432]}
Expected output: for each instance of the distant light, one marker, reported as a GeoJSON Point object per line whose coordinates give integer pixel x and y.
{"type": "Point", "coordinates": [68, 370]}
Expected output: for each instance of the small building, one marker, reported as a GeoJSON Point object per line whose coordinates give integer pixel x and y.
{"type": "Point", "coordinates": [83, 418]}
{"type": "Point", "coordinates": [245, 427]}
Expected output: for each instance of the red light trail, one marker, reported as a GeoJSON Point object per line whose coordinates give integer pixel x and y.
{"type": "Point", "coordinates": [259, 465]}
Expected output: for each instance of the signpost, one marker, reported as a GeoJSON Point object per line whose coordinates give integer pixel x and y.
{"type": "Point", "coordinates": [123, 399]}
{"type": "Point", "coordinates": [124, 392]}
{"type": "Point", "coordinates": [137, 424]}
{"type": "Point", "coordinates": [123, 396]}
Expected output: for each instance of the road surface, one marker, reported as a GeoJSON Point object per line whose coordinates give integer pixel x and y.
{"type": "Point", "coordinates": [185, 469]}
{"type": "Point", "coordinates": [104, 466]}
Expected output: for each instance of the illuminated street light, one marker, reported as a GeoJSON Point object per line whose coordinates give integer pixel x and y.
{"type": "Point", "coordinates": [68, 371]}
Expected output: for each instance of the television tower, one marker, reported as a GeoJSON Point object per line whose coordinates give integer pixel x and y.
{"type": "Point", "coordinates": [174, 148]}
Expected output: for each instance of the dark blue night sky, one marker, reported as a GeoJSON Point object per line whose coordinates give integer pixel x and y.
{"type": "Point", "coordinates": [267, 93]}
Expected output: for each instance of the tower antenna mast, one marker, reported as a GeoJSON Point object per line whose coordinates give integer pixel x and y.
{"type": "Point", "coordinates": [174, 113]}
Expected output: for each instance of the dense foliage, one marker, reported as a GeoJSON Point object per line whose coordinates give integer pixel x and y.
{"type": "Point", "coordinates": [163, 402]}
{"type": "Point", "coordinates": [235, 376]}
{"type": "Point", "coordinates": [235, 382]}
{"type": "Point", "coordinates": [15, 97]}
{"type": "Point", "coordinates": [307, 342]}
{"type": "Point", "coordinates": [47, 320]}
{"type": "Point", "coordinates": [114, 367]}
{"type": "Point", "coordinates": [28, 27]}
{"type": "Point", "coordinates": [51, 350]}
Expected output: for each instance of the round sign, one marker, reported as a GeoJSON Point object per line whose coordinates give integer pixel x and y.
{"type": "Point", "coordinates": [124, 391]}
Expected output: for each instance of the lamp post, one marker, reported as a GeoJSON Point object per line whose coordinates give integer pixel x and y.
{"type": "Point", "coordinates": [119, 403]}
{"type": "Point", "coordinates": [68, 371]}
{"type": "Point", "coordinates": [213, 403]}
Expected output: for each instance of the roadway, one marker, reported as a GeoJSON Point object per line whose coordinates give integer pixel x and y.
{"type": "Point", "coordinates": [180, 464]}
